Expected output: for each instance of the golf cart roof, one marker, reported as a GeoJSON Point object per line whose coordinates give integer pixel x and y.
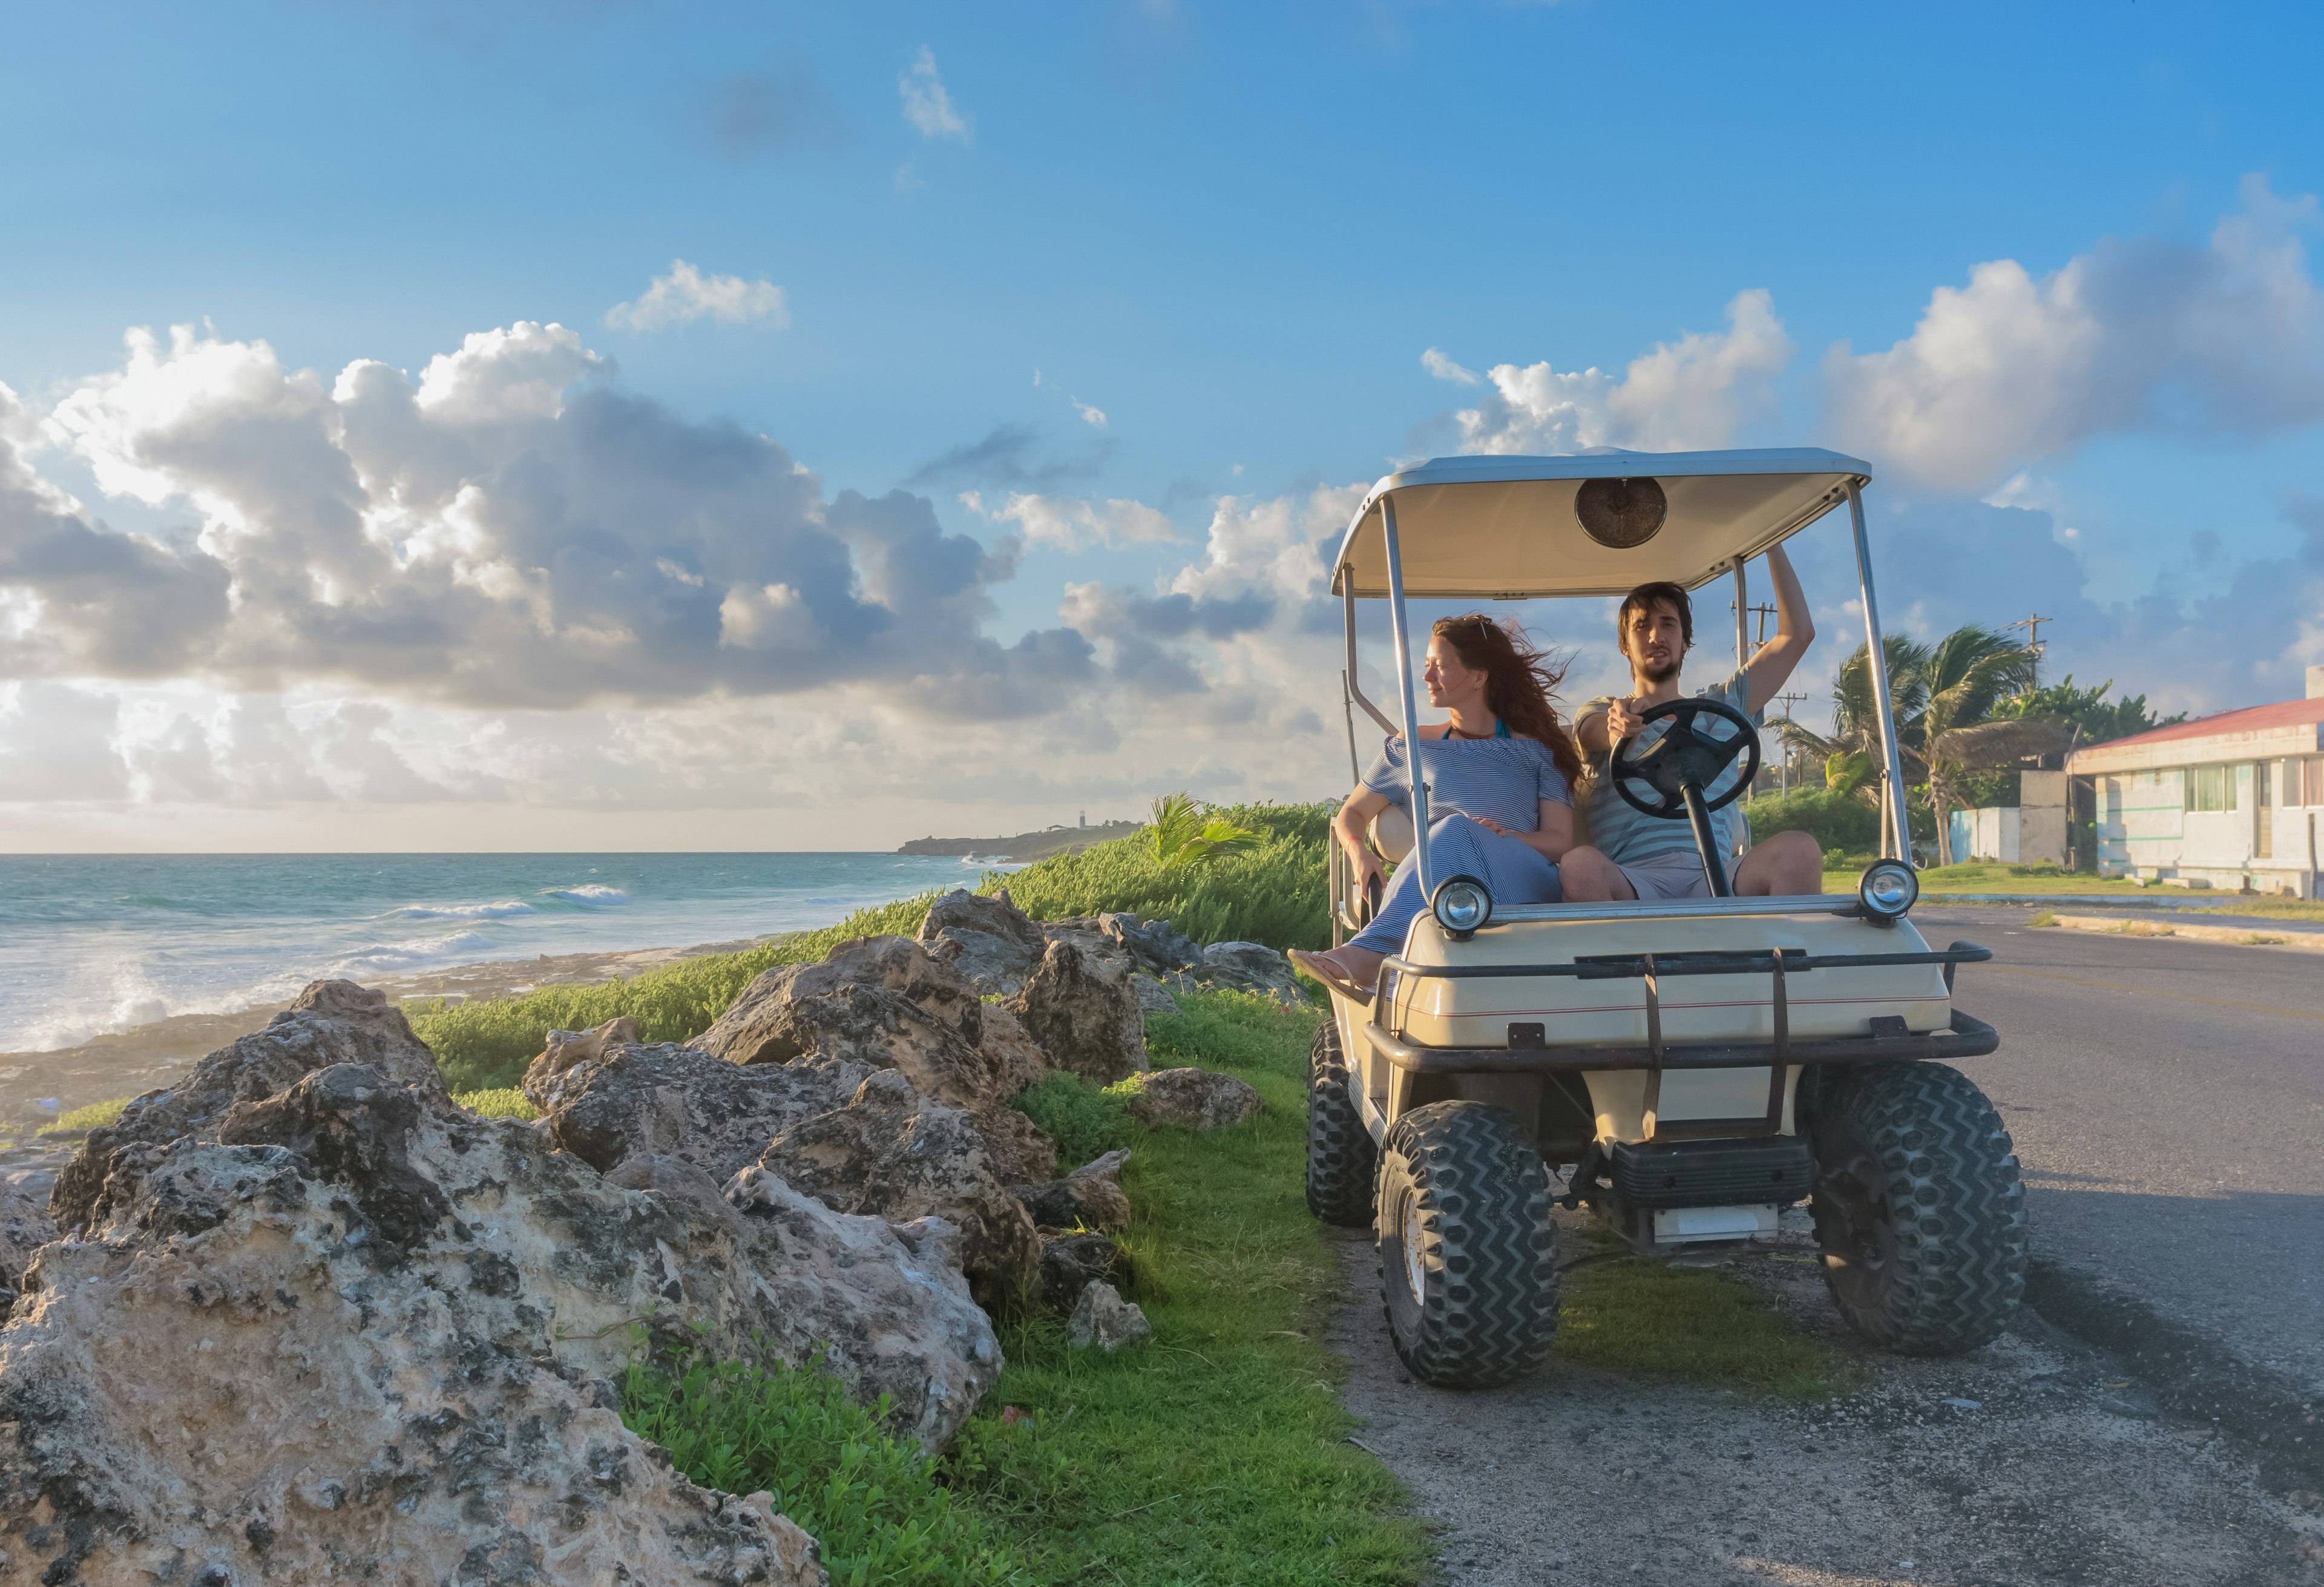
{"type": "Point", "coordinates": [1506, 528]}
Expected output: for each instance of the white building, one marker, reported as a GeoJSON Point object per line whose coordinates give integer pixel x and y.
{"type": "Point", "coordinates": [2233, 800]}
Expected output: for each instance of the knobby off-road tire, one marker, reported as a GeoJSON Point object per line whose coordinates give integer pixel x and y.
{"type": "Point", "coordinates": [1468, 1255]}
{"type": "Point", "coordinates": [1918, 1207]}
{"type": "Point", "coordinates": [1341, 1160]}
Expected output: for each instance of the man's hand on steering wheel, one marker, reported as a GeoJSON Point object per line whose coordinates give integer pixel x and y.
{"type": "Point", "coordinates": [1683, 756]}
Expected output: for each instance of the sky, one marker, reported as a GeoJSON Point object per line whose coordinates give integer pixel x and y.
{"type": "Point", "coordinates": [627, 426]}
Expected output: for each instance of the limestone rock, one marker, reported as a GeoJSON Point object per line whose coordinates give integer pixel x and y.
{"type": "Point", "coordinates": [1084, 1015]}
{"type": "Point", "coordinates": [989, 940]}
{"type": "Point", "coordinates": [25, 1226]}
{"type": "Point", "coordinates": [1249, 966]}
{"type": "Point", "coordinates": [1070, 1264]}
{"type": "Point", "coordinates": [1016, 1150]}
{"type": "Point", "coordinates": [1091, 1197]}
{"type": "Point", "coordinates": [1103, 1319]}
{"type": "Point", "coordinates": [678, 1102]}
{"type": "Point", "coordinates": [332, 1022]}
{"type": "Point", "coordinates": [901, 1155]}
{"type": "Point", "coordinates": [1155, 944]}
{"type": "Point", "coordinates": [1153, 997]}
{"type": "Point", "coordinates": [346, 1329]}
{"type": "Point", "coordinates": [567, 1049]}
{"type": "Point", "coordinates": [881, 1002]}
{"type": "Point", "coordinates": [1192, 1099]}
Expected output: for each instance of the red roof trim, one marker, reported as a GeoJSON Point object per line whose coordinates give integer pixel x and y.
{"type": "Point", "coordinates": [2250, 719]}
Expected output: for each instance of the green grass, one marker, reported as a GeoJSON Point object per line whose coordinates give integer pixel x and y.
{"type": "Point", "coordinates": [871, 1498]}
{"type": "Point", "coordinates": [1982, 876]}
{"type": "Point", "coordinates": [1086, 1121]}
{"type": "Point", "coordinates": [2046, 918]}
{"type": "Point", "coordinates": [1213, 1454]}
{"type": "Point", "coordinates": [1644, 1319]}
{"type": "Point", "coordinates": [506, 1103]}
{"type": "Point", "coordinates": [2269, 908]}
{"type": "Point", "coordinates": [94, 1116]}
{"type": "Point", "coordinates": [1273, 893]}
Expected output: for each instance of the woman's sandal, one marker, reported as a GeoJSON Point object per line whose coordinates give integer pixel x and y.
{"type": "Point", "coordinates": [1329, 974]}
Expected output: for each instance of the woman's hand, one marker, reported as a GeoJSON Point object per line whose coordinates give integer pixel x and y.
{"type": "Point", "coordinates": [1366, 864]}
{"type": "Point", "coordinates": [1495, 827]}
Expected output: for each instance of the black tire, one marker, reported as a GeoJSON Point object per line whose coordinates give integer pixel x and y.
{"type": "Point", "coordinates": [1918, 1207]}
{"type": "Point", "coordinates": [1468, 1255]}
{"type": "Point", "coordinates": [1341, 1160]}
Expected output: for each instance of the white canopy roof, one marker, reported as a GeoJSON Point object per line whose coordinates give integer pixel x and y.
{"type": "Point", "coordinates": [1505, 527]}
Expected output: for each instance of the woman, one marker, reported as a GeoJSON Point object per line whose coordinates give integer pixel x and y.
{"type": "Point", "coordinates": [1500, 774]}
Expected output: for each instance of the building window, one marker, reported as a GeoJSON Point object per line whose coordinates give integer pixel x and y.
{"type": "Point", "coordinates": [2311, 780]}
{"type": "Point", "coordinates": [2211, 788]}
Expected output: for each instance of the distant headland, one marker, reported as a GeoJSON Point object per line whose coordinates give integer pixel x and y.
{"type": "Point", "coordinates": [1024, 847]}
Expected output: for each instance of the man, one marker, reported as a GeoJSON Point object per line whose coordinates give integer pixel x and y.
{"type": "Point", "coordinates": [1635, 855]}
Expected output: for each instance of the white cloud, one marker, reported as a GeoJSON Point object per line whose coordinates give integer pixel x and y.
{"type": "Point", "coordinates": [1434, 360]}
{"type": "Point", "coordinates": [1091, 415]}
{"type": "Point", "coordinates": [928, 104]}
{"type": "Point", "coordinates": [686, 295]}
{"type": "Point", "coordinates": [1073, 522]}
{"type": "Point", "coordinates": [2227, 337]}
{"type": "Point", "coordinates": [1697, 392]}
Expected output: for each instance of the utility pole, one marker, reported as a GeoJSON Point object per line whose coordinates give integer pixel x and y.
{"type": "Point", "coordinates": [2032, 626]}
{"type": "Point", "coordinates": [1787, 702]}
{"type": "Point", "coordinates": [1765, 611]}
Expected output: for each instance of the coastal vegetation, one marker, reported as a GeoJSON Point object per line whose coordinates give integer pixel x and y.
{"type": "Point", "coordinates": [1270, 891]}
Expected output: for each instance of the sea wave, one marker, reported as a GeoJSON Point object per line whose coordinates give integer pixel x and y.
{"type": "Point", "coordinates": [592, 893]}
{"type": "Point", "coordinates": [390, 956]}
{"type": "Point", "coordinates": [505, 910]}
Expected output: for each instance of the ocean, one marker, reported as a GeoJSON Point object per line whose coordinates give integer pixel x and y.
{"type": "Point", "coordinates": [95, 944]}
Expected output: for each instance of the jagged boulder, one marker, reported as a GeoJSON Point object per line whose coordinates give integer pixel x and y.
{"type": "Point", "coordinates": [1084, 1015]}
{"type": "Point", "coordinates": [1153, 997]}
{"type": "Point", "coordinates": [331, 1023]}
{"type": "Point", "coordinates": [1157, 947]}
{"type": "Point", "coordinates": [1071, 1263]}
{"type": "Point", "coordinates": [1103, 1319]}
{"type": "Point", "coordinates": [25, 1226]}
{"type": "Point", "coordinates": [665, 1100]}
{"type": "Point", "coordinates": [346, 1329]}
{"type": "Point", "coordinates": [1245, 967]}
{"type": "Point", "coordinates": [1192, 1099]}
{"type": "Point", "coordinates": [896, 1153]}
{"type": "Point", "coordinates": [988, 940]}
{"type": "Point", "coordinates": [1090, 1197]}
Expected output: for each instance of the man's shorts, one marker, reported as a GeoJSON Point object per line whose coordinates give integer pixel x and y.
{"type": "Point", "coordinates": [1670, 876]}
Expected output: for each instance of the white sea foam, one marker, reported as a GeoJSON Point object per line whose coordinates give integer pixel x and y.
{"type": "Point", "coordinates": [388, 958]}
{"type": "Point", "coordinates": [506, 909]}
{"type": "Point", "coordinates": [592, 893]}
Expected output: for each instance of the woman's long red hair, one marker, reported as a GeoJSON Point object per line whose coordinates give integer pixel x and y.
{"type": "Point", "coordinates": [1519, 682]}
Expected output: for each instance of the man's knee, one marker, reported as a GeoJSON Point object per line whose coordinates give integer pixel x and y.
{"type": "Point", "coordinates": [1588, 877]}
{"type": "Point", "coordinates": [1789, 863]}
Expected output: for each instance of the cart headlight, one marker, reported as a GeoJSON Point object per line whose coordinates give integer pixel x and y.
{"type": "Point", "coordinates": [1462, 905]}
{"type": "Point", "coordinates": [1887, 889]}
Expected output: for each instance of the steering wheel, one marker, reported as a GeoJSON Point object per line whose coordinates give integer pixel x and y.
{"type": "Point", "coordinates": [1683, 756]}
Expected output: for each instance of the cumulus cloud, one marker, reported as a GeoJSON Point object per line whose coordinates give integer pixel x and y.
{"type": "Point", "coordinates": [1070, 523]}
{"type": "Point", "coordinates": [1697, 392]}
{"type": "Point", "coordinates": [928, 102]}
{"type": "Point", "coordinates": [508, 531]}
{"type": "Point", "coordinates": [2225, 337]}
{"type": "Point", "coordinates": [686, 295]}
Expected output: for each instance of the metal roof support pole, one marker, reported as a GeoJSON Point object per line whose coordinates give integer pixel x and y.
{"type": "Point", "coordinates": [1413, 780]}
{"type": "Point", "coordinates": [1884, 707]}
{"type": "Point", "coordinates": [1355, 689]}
{"type": "Point", "coordinates": [1742, 616]}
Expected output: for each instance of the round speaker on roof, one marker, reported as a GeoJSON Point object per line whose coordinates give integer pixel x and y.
{"type": "Point", "coordinates": [1620, 513]}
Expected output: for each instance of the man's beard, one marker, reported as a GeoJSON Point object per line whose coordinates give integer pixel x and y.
{"type": "Point", "coordinates": [1662, 672]}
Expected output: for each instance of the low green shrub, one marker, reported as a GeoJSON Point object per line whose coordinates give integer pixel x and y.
{"type": "Point", "coordinates": [1084, 1122]}
{"type": "Point", "coordinates": [1843, 823]}
{"type": "Point", "coordinates": [507, 1102]}
{"type": "Point", "coordinates": [870, 1497]}
{"type": "Point", "coordinates": [96, 1116]}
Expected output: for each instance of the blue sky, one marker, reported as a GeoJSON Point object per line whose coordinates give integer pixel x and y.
{"type": "Point", "coordinates": [1231, 232]}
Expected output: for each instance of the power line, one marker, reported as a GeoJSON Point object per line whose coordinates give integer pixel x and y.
{"type": "Point", "coordinates": [2032, 626]}
{"type": "Point", "coordinates": [1787, 701]}
{"type": "Point", "coordinates": [1765, 612]}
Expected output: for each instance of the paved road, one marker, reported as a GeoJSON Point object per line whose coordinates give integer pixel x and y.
{"type": "Point", "coordinates": [2167, 1099]}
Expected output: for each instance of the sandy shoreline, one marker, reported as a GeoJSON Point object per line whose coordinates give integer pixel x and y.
{"type": "Point", "coordinates": [146, 1057]}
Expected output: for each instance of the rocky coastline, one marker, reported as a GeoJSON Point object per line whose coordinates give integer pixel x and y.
{"type": "Point", "coordinates": [299, 1316]}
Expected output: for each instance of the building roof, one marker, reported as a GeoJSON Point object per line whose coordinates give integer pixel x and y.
{"type": "Point", "coordinates": [2276, 728]}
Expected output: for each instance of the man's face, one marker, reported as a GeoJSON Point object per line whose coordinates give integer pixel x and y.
{"type": "Point", "coordinates": [1655, 643]}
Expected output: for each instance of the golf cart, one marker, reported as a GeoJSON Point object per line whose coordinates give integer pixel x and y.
{"type": "Point", "coordinates": [1698, 1064]}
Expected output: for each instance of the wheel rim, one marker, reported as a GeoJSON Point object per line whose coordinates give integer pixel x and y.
{"type": "Point", "coordinates": [1853, 1226]}
{"type": "Point", "coordinates": [1415, 1274]}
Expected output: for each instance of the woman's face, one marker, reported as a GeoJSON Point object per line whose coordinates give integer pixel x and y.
{"type": "Point", "coordinates": [1451, 683]}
